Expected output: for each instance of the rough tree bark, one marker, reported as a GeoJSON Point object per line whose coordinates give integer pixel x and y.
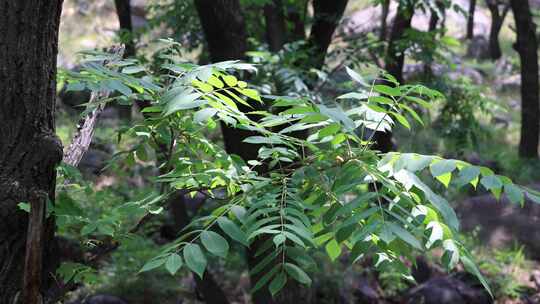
{"type": "Point", "coordinates": [470, 19]}
{"type": "Point", "coordinates": [394, 61]}
{"type": "Point", "coordinates": [29, 148]}
{"type": "Point", "coordinates": [498, 12]}
{"type": "Point", "coordinates": [526, 45]}
{"type": "Point", "coordinates": [276, 28]}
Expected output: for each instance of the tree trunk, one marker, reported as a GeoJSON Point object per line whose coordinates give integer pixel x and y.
{"type": "Point", "coordinates": [497, 18]}
{"type": "Point", "coordinates": [123, 11]}
{"type": "Point", "coordinates": [395, 55]}
{"type": "Point", "coordinates": [385, 9]}
{"type": "Point", "coordinates": [526, 45]}
{"type": "Point", "coordinates": [276, 32]}
{"type": "Point", "coordinates": [470, 19]}
{"type": "Point", "coordinates": [327, 15]}
{"type": "Point", "coordinates": [394, 61]}
{"type": "Point", "coordinates": [29, 148]}
{"type": "Point", "coordinates": [434, 17]}
{"type": "Point", "coordinates": [224, 29]}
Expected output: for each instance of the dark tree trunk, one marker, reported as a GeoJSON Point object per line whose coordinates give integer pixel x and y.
{"type": "Point", "coordinates": [29, 148]}
{"type": "Point", "coordinates": [224, 29]}
{"type": "Point", "coordinates": [385, 9]}
{"type": "Point", "coordinates": [435, 16]}
{"type": "Point", "coordinates": [276, 30]}
{"type": "Point", "coordinates": [123, 11]}
{"type": "Point", "coordinates": [395, 55]}
{"type": "Point", "coordinates": [526, 45]}
{"type": "Point", "coordinates": [207, 287]}
{"type": "Point", "coordinates": [498, 13]}
{"type": "Point", "coordinates": [327, 15]}
{"type": "Point", "coordinates": [470, 19]}
{"type": "Point", "coordinates": [394, 61]}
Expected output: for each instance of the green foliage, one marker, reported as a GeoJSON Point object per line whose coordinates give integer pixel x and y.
{"type": "Point", "coordinates": [329, 191]}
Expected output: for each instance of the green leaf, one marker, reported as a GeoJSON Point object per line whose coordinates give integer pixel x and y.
{"type": "Point", "coordinates": [333, 249]}
{"type": "Point", "coordinates": [24, 206]}
{"type": "Point", "coordinates": [356, 77]}
{"type": "Point", "coordinates": [232, 230]}
{"type": "Point", "coordinates": [443, 166]}
{"type": "Point", "coordinates": [133, 69]}
{"type": "Point", "coordinates": [353, 95]}
{"type": "Point", "coordinates": [230, 80]}
{"type": "Point", "coordinates": [184, 101]}
{"type": "Point", "coordinates": [265, 278]}
{"type": "Point", "coordinates": [402, 120]}
{"type": "Point", "coordinates": [331, 129]}
{"type": "Point", "coordinates": [195, 259]}
{"type": "Point", "coordinates": [204, 114]}
{"type": "Point", "coordinates": [514, 194]}
{"type": "Point", "coordinates": [468, 175]}
{"type": "Point", "coordinates": [404, 235]}
{"type": "Point", "coordinates": [279, 239]}
{"type": "Point", "coordinates": [384, 89]}
{"type": "Point", "coordinates": [277, 283]}
{"type": "Point", "coordinates": [253, 94]}
{"type": "Point", "coordinates": [215, 243]}
{"type": "Point", "coordinates": [173, 263]}
{"type": "Point", "coordinates": [436, 234]}
{"type": "Point", "coordinates": [152, 264]}
{"type": "Point", "coordinates": [471, 268]}
{"type": "Point", "coordinates": [297, 273]}
{"type": "Point", "coordinates": [451, 254]}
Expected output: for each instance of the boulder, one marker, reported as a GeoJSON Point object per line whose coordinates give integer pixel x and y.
{"type": "Point", "coordinates": [502, 223]}
{"type": "Point", "coordinates": [478, 48]}
{"type": "Point", "coordinates": [457, 288]}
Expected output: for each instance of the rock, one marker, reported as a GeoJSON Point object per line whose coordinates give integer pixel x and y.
{"type": "Point", "coordinates": [509, 83]}
{"type": "Point", "coordinates": [478, 48]}
{"type": "Point", "coordinates": [463, 71]}
{"type": "Point", "coordinates": [452, 289]}
{"type": "Point", "coordinates": [364, 293]}
{"type": "Point", "coordinates": [502, 223]}
{"type": "Point", "coordinates": [93, 161]}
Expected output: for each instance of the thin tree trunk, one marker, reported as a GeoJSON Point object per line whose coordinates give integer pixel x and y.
{"type": "Point", "coordinates": [29, 148]}
{"type": "Point", "coordinates": [497, 19]}
{"type": "Point", "coordinates": [276, 31]}
{"type": "Point", "coordinates": [224, 28]}
{"type": "Point", "coordinates": [394, 62]}
{"type": "Point", "coordinates": [123, 11]}
{"type": "Point", "coordinates": [527, 46]}
{"type": "Point", "coordinates": [434, 18]}
{"type": "Point", "coordinates": [470, 19]}
{"type": "Point", "coordinates": [327, 15]}
{"type": "Point", "coordinates": [385, 7]}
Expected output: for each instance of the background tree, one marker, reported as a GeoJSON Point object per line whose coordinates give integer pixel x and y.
{"type": "Point", "coordinates": [527, 47]}
{"type": "Point", "coordinates": [276, 27]}
{"type": "Point", "coordinates": [498, 10]}
{"type": "Point", "coordinates": [470, 19]}
{"type": "Point", "coordinates": [29, 148]}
